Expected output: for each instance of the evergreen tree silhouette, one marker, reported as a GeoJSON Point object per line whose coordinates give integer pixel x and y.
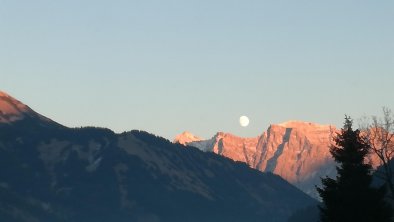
{"type": "Point", "coordinates": [350, 196]}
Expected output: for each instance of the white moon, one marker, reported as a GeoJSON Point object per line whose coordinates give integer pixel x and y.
{"type": "Point", "coordinates": [244, 121]}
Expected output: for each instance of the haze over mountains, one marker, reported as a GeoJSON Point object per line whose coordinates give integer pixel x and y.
{"type": "Point", "coordinates": [49, 172]}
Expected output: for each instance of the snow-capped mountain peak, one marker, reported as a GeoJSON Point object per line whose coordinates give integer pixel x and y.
{"type": "Point", "coordinates": [186, 137]}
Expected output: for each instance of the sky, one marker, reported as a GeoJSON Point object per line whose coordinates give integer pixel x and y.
{"type": "Point", "coordinates": [170, 66]}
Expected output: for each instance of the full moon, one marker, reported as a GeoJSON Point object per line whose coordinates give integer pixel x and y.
{"type": "Point", "coordinates": [244, 121]}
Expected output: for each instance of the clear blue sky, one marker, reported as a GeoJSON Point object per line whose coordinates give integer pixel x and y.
{"type": "Point", "coordinates": [169, 66]}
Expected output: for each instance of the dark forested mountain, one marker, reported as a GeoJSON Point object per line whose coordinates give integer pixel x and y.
{"type": "Point", "coordinates": [52, 173]}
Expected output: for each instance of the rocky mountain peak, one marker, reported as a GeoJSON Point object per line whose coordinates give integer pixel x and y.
{"type": "Point", "coordinates": [186, 137]}
{"type": "Point", "coordinates": [306, 126]}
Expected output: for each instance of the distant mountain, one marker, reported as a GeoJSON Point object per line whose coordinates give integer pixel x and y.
{"type": "Point", "coordinates": [52, 173]}
{"type": "Point", "coordinates": [186, 137]}
{"type": "Point", "coordinates": [297, 151]}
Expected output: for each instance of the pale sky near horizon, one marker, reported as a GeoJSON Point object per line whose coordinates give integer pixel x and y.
{"type": "Point", "coordinates": [170, 66]}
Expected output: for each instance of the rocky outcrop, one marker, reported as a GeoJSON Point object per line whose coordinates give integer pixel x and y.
{"type": "Point", "coordinates": [297, 151]}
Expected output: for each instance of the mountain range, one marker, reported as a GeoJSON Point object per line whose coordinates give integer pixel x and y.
{"type": "Point", "coordinates": [297, 151]}
{"type": "Point", "coordinates": [49, 172]}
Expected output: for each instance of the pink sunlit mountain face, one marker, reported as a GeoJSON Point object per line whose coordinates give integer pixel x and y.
{"type": "Point", "coordinates": [186, 137]}
{"type": "Point", "coordinates": [297, 151]}
{"type": "Point", "coordinates": [13, 111]}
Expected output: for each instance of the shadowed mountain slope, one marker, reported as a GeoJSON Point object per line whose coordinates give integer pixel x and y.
{"type": "Point", "coordinates": [53, 173]}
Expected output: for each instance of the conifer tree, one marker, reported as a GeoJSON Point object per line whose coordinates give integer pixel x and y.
{"type": "Point", "coordinates": [350, 196]}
